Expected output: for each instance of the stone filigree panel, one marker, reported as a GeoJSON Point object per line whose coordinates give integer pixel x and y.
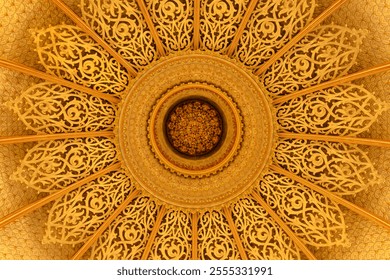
{"type": "Point", "coordinates": [340, 168]}
{"type": "Point", "coordinates": [173, 239]}
{"type": "Point", "coordinates": [341, 110]}
{"type": "Point", "coordinates": [271, 25]}
{"type": "Point", "coordinates": [261, 236]}
{"type": "Point", "coordinates": [126, 237]}
{"type": "Point", "coordinates": [215, 238]}
{"type": "Point", "coordinates": [327, 52]}
{"type": "Point", "coordinates": [174, 21]}
{"type": "Point", "coordinates": [78, 214]}
{"type": "Point", "coordinates": [219, 21]}
{"type": "Point", "coordinates": [67, 52]}
{"type": "Point", "coordinates": [121, 24]}
{"type": "Point", "coordinates": [53, 165]}
{"type": "Point", "coordinates": [315, 219]}
{"type": "Point", "coordinates": [51, 108]}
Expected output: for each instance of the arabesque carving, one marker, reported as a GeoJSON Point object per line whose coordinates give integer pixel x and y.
{"type": "Point", "coordinates": [327, 52]}
{"type": "Point", "coordinates": [52, 108]}
{"type": "Point", "coordinates": [126, 237]}
{"type": "Point", "coordinates": [53, 165]}
{"type": "Point", "coordinates": [341, 110]}
{"type": "Point", "coordinates": [271, 25]}
{"type": "Point", "coordinates": [315, 219]}
{"type": "Point", "coordinates": [215, 239]}
{"type": "Point", "coordinates": [69, 53]}
{"type": "Point", "coordinates": [340, 168]}
{"type": "Point", "coordinates": [219, 21]}
{"type": "Point", "coordinates": [173, 239]}
{"type": "Point", "coordinates": [76, 216]}
{"type": "Point", "coordinates": [239, 209]}
{"type": "Point", "coordinates": [121, 24]}
{"type": "Point", "coordinates": [174, 22]}
{"type": "Point", "coordinates": [260, 234]}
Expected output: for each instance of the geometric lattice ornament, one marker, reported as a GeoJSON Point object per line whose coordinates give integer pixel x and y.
{"type": "Point", "coordinates": [51, 108]}
{"type": "Point", "coordinates": [315, 219]}
{"type": "Point", "coordinates": [340, 168]}
{"type": "Point", "coordinates": [122, 25]}
{"type": "Point", "coordinates": [79, 213]}
{"type": "Point", "coordinates": [53, 165]}
{"type": "Point", "coordinates": [271, 25]}
{"type": "Point", "coordinates": [327, 52]}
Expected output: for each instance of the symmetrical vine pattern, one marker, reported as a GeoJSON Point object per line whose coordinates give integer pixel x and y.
{"type": "Point", "coordinates": [271, 26]}
{"type": "Point", "coordinates": [173, 238]}
{"type": "Point", "coordinates": [52, 108]}
{"type": "Point", "coordinates": [126, 237]}
{"type": "Point", "coordinates": [314, 218]}
{"type": "Point", "coordinates": [174, 22]}
{"type": "Point", "coordinates": [342, 110]}
{"type": "Point", "coordinates": [219, 21]}
{"type": "Point", "coordinates": [324, 54]}
{"type": "Point", "coordinates": [215, 239]}
{"type": "Point", "coordinates": [121, 24]}
{"type": "Point", "coordinates": [261, 236]}
{"type": "Point", "coordinates": [340, 168]}
{"type": "Point", "coordinates": [69, 53]}
{"type": "Point", "coordinates": [53, 165]}
{"type": "Point", "coordinates": [327, 52]}
{"type": "Point", "coordinates": [78, 214]}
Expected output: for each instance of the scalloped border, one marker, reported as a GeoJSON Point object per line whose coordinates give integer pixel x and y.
{"type": "Point", "coordinates": [247, 191]}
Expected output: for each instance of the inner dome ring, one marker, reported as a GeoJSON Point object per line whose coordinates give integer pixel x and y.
{"type": "Point", "coordinates": [196, 74]}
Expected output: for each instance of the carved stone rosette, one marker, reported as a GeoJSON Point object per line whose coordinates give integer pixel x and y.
{"type": "Point", "coordinates": [197, 128]}
{"type": "Point", "coordinates": [227, 143]}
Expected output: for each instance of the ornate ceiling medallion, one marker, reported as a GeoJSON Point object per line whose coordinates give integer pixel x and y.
{"type": "Point", "coordinates": [197, 122]}
{"type": "Point", "coordinates": [195, 129]}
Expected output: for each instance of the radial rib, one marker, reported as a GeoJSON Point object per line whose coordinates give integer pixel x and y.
{"type": "Point", "coordinates": [47, 137]}
{"type": "Point", "coordinates": [104, 226]}
{"type": "Point", "coordinates": [345, 79]}
{"type": "Point", "coordinates": [195, 236]}
{"type": "Point", "coordinates": [338, 139]}
{"type": "Point", "coordinates": [80, 23]}
{"type": "Point", "coordinates": [153, 234]}
{"type": "Point", "coordinates": [196, 24]}
{"type": "Point", "coordinates": [152, 28]}
{"type": "Point", "coordinates": [39, 203]}
{"type": "Point", "coordinates": [364, 213]}
{"type": "Point", "coordinates": [235, 233]}
{"type": "Point", "coordinates": [330, 10]}
{"type": "Point", "coordinates": [54, 79]}
{"type": "Point", "coordinates": [242, 26]}
{"type": "Point", "coordinates": [285, 227]}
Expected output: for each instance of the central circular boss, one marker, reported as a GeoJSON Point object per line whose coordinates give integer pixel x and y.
{"type": "Point", "coordinates": [195, 129]}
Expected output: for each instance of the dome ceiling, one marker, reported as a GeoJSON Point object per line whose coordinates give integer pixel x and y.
{"type": "Point", "coordinates": [194, 130]}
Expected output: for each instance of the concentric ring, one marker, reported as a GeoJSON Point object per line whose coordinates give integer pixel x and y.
{"type": "Point", "coordinates": [201, 165]}
{"type": "Point", "coordinates": [202, 182]}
